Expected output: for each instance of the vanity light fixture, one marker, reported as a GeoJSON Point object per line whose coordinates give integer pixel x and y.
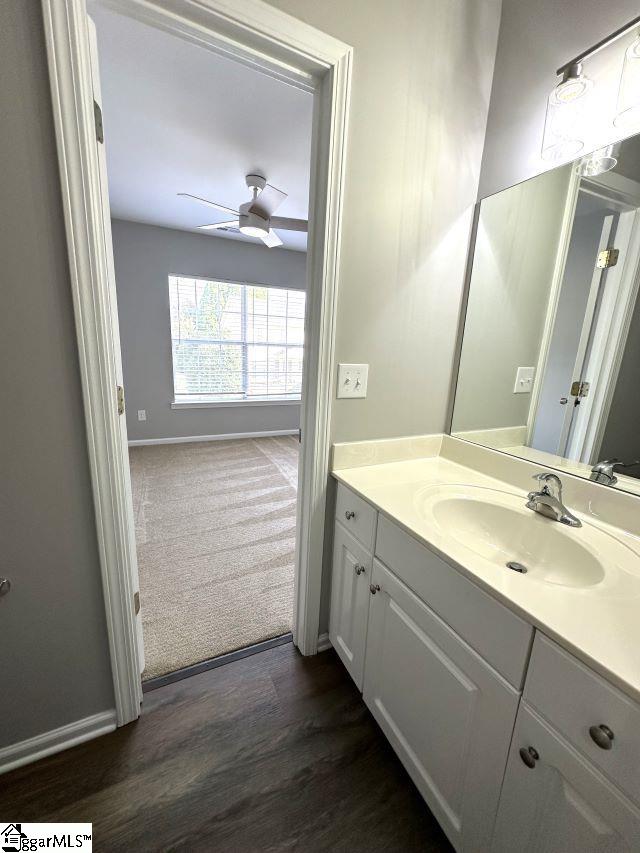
{"type": "Point", "coordinates": [564, 127]}
{"type": "Point", "coordinates": [600, 161]}
{"type": "Point", "coordinates": [628, 108]}
{"type": "Point", "coordinates": [565, 106]}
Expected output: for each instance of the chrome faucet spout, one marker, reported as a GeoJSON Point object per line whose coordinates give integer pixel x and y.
{"type": "Point", "coordinates": [547, 500]}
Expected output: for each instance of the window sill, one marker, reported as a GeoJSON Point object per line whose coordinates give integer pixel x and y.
{"type": "Point", "coordinates": [222, 404]}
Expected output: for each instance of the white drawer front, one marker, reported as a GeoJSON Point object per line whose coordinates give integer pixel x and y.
{"type": "Point", "coordinates": [498, 635]}
{"type": "Point", "coordinates": [356, 515]}
{"type": "Point", "coordinates": [575, 699]}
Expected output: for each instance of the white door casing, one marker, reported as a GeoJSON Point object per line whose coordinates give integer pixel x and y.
{"type": "Point", "coordinates": [272, 42]}
{"type": "Point", "coordinates": [123, 462]}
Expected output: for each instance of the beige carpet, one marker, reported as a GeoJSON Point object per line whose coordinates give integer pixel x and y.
{"type": "Point", "coordinates": [215, 530]}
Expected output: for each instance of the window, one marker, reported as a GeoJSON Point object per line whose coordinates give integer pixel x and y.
{"type": "Point", "coordinates": [235, 341]}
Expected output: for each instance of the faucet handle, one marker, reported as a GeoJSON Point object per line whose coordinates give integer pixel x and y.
{"type": "Point", "coordinates": [547, 478]}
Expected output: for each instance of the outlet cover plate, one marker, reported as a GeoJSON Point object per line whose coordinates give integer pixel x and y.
{"type": "Point", "coordinates": [524, 380]}
{"type": "Point", "coordinates": [142, 414]}
{"type": "Point", "coordinates": [352, 380]}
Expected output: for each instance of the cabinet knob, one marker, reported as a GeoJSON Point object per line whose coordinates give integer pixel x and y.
{"type": "Point", "coordinates": [529, 755]}
{"type": "Point", "coordinates": [360, 570]}
{"type": "Point", "coordinates": [5, 586]}
{"type": "Point", "coordinates": [373, 588]}
{"type": "Point", "coordinates": [602, 736]}
{"type": "Point", "coordinates": [349, 514]}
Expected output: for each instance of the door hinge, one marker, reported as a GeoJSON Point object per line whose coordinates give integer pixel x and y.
{"type": "Point", "coordinates": [607, 258]}
{"type": "Point", "coordinates": [120, 400]}
{"type": "Point", "coordinates": [97, 115]}
{"type": "Point", "coordinates": [579, 389]}
{"type": "Point", "coordinates": [136, 602]}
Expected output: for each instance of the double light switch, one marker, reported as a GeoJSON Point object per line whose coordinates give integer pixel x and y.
{"type": "Point", "coordinates": [352, 380]}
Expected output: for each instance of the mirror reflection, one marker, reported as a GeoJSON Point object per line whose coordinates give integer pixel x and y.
{"type": "Point", "coordinates": [550, 361]}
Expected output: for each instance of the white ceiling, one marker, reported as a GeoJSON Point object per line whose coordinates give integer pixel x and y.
{"type": "Point", "coordinates": [179, 118]}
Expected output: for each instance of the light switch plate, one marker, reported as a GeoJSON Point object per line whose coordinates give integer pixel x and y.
{"type": "Point", "coordinates": [524, 380]}
{"type": "Point", "coordinates": [352, 380]}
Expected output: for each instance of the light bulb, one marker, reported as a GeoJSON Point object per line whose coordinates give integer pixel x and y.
{"type": "Point", "coordinates": [563, 127]}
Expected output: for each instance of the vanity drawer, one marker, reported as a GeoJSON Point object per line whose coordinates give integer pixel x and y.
{"type": "Point", "coordinates": [574, 699]}
{"type": "Point", "coordinates": [498, 635]}
{"type": "Point", "coordinates": [356, 515]}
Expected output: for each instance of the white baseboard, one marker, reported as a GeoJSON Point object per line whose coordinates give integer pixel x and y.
{"type": "Point", "coordinates": [48, 743]}
{"type": "Point", "coordinates": [324, 642]}
{"type": "Point", "coordinates": [185, 439]}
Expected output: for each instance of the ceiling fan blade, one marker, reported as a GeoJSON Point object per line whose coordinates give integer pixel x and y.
{"type": "Point", "coordinates": [210, 203]}
{"type": "Point", "coordinates": [233, 223]}
{"type": "Point", "coordinates": [289, 224]}
{"type": "Point", "coordinates": [271, 239]}
{"type": "Point", "coordinates": [268, 201]}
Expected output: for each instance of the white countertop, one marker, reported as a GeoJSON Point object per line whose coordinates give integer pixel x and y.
{"type": "Point", "coordinates": [600, 623]}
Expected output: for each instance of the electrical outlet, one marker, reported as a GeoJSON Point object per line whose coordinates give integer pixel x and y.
{"type": "Point", "coordinates": [352, 380]}
{"type": "Point", "coordinates": [524, 380]}
{"type": "Point", "coordinates": [142, 414]}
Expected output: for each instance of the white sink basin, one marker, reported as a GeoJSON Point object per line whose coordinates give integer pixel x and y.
{"type": "Point", "coordinates": [498, 527]}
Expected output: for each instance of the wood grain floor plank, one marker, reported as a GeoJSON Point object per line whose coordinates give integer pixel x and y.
{"type": "Point", "coordinates": [274, 752]}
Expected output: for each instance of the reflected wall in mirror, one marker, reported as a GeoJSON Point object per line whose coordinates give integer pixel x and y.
{"type": "Point", "coordinates": [550, 360]}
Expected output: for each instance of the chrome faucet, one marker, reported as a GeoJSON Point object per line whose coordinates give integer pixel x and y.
{"type": "Point", "coordinates": [602, 472]}
{"type": "Point", "coordinates": [548, 500]}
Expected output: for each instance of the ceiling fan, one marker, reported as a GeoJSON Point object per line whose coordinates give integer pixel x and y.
{"type": "Point", "coordinates": [255, 218]}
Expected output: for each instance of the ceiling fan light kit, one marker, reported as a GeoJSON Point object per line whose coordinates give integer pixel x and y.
{"type": "Point", "coordinates": [255, 216]}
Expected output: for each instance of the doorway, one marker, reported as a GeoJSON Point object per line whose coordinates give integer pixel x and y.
{"type": "Point", "coordinates": [288, 50]}
{"type": "Point", "coordinates": [211, 323]}
{"type": "Point", "coordinates": [591, 320]}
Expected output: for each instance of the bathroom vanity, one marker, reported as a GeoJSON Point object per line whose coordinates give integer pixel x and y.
{"type": "Point", "coordinates": [511, 695]}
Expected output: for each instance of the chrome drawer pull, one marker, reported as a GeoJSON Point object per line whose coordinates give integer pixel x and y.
{"type": "Point", "coordinates": [602, 736]}
{"type": "Point", "coordinates": [529, 755]}
{"type": "Point", "coordinates": [349, 514]}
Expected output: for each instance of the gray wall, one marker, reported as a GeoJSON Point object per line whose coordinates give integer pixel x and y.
{"type": "Point", "coordinates": [421, 80]}
{"type": "Point", "coordinates": [422, 75]}
{"type": "Point", "coordinates": [145, 255]}
{"type": "Point", "coordinates": [536, 37]}
{"type": "Point", "coordinates": [55, 665]}
{"type": "Point", "coordinates": [514, 260]}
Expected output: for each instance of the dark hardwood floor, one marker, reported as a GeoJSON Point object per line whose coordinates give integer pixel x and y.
{"type": "Point", "coordinates": [274, 752]}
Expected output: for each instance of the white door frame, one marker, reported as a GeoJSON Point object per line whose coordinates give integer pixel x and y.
{"type": "Point", "coordinates": [562, 252]}
{"type": "Point", "coordinates": [603, 360]}
{"type": "Point", "coordinates": [275, 43]}
{"type": "Point", "coordinates": [593, 300]}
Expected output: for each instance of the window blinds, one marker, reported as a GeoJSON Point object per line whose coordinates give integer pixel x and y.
{"type": "Point", "coordinates": [235, 341]}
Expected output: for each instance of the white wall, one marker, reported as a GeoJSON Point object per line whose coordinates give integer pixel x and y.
{"type": "Point", "coordinates": [515, 255]}
{"type": "Point", "coordinates": [145, 256]}
{"type": "Point", "coordinates": [421, 79]}
{"type": "Point", "coordinates": [536, 37]}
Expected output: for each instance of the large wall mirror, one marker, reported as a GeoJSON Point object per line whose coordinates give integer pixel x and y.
{"type": "Point", "coordinates": [550, 360]}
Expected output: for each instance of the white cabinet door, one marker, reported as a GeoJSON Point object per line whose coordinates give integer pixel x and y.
{"type": "Point", "coordinates": [350, 581]}
{"type": "Point", "coordinates": [560, 804]}
{"type": "Point", "coordinates": [448, 715]}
